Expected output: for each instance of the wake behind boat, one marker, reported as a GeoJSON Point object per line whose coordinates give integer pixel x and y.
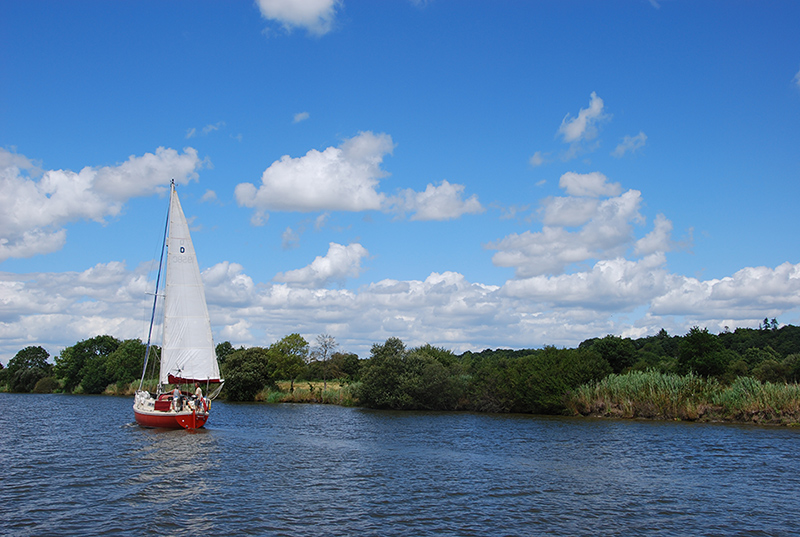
{"type": "Point", "coordinates": [188, 355]}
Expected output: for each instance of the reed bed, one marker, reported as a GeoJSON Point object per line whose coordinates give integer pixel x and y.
{"type": "Point", "coordinates": [335, 393]}
{"type": "Point", "coordinates": [656, 395]}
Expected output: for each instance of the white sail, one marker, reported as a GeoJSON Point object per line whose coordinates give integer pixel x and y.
{"type": "Point", "coordinates": [188, 353]}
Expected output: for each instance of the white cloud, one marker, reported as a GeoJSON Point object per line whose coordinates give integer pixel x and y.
{"type": "Point", "coordinates": [606, 232]}
{"type": "Point", "coordinates": [583, 127]}
{"type": "Point", "coordinates": [658, 240]}
{"type": "Point", "coordinates": [302, 116]}
{"type": "Point", "coordinates": [444, 309]}
{"type": "Point", "coordinates": [290, 238]}
{"type": "Point", "coordinates": [443, 202]}
{"type": "Point", "coordinates": [630, 144]}
{"type": "Point", "coordinates": [316, 16]}
{"type": "Point", "coordinates": [37, 204]}
{"type": "Point", "coordinates": [537, 159]}
{"type": "Point", "coordinates": [347, 178]}
{"type": "Point", "coordinates": [209, 196]}
{"type": "Point", "coordinates": [796, 79]}
{"type": "Point", "coordinates": [593, 184]}
{"type": "Point", "coordinates": [568, 211]}
{"type": "Point", "coordinates": [225, 283]}
{"type": "Point", "coordinates": [750, 293]}
{"type": "Point", "coordinates": [343, 178]}
{"type": "Point", "coordinates": [340, 263]}
{"type": "Point", "coordinates": [613, 284]}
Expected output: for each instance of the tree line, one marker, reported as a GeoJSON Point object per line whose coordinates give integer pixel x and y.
{"type": "Point", "coordinates": [429, 377]}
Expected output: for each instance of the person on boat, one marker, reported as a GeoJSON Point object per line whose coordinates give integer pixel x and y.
{"type": "Point", "coordinates": [198, 396]}
{"type": "Point", "coordinates": [176, 399]}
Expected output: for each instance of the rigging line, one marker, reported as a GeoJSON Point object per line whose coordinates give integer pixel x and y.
{"type": "Point", "coordinates": [158, 280]}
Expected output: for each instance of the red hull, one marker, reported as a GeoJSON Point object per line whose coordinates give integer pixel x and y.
{"type": "Point", "coordinates": [171, 420]}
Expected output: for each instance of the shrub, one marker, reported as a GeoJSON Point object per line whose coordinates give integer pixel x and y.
{"type": "Point", "coordinates": [46, 385]}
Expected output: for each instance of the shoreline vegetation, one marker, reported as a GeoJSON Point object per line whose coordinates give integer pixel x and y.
{"type": "Point", "coordinates": [665, 396]}
{"type": "Point", "coordinates": [745, 376]}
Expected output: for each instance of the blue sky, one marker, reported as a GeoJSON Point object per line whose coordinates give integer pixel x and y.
{"type": "Point", "coordinates": [469, 174]}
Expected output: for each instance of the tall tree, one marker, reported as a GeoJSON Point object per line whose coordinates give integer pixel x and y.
{"type": "Point", "coordinates": [326, 344]}
{"type": "Point", "coordinates": [700, 351]}
{"type": "Point", "coordinates": [26, 368]}
{"type": "Point", "coordinates": [618, 352]}
{"type": "Point", "coordinates": [73, 363]}
{"type": "Point", "coordinates": [124, 365]}
{"type": "Point", "coordinates": [289, 355]}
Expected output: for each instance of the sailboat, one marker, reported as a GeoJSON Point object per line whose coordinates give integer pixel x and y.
{"type": "Point", "coordinates": [188, 355]}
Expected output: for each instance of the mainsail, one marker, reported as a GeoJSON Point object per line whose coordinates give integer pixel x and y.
{"type": "Point", "coordinates": [188, 353]}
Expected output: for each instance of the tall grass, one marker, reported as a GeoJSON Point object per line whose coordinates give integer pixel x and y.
{"type": "Point", "coordinates": [335, 393]}
{"type": "Point", "coordinates": [652, 394]}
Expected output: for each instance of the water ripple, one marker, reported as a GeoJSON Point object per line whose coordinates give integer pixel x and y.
{"type": "Point", "coordinates": [75, 465]}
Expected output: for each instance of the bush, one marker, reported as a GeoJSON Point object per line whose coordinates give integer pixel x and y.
{"type": "Point", "coordinates": [46, 385]}
{"type": "Point", "coordinates": [247, 372]}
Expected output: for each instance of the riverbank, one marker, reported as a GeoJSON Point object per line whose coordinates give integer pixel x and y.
{"type": "Point", "coordinates": [662, 396]}
{"type": "Point", "coordinates": [634, 395]}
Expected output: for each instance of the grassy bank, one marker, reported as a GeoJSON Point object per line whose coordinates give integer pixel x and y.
{"type": "Point", "coordinates": [665, 396]}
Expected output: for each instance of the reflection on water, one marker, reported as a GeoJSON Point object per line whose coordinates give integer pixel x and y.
{"type": "Point", "coordinates": [172, 478]}
{"type": "Point", "coordinates": [75, 465]}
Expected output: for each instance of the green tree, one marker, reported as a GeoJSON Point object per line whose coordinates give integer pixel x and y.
{"type": "Point", "coordinates": [618, 352]}
{"type": "Point", "coordinates": [86, 358]}
{"type": "Point", "coordinates": [289, 356]}
{"type": "Point", "coordinates": [755, 356]}
{"type": "Point", "coordinates": [26, 368]}
{"type": "Point", "coordinates": [247, 372]}
{"type": "Point", "coordinates": [430, 384]}
{"type": "Point", "coordinates": [696, 352]}
{"type": "Point", "coordinates": [541, 381]}
{"type": "Point", "coordinates": [771, 371]}
{"type": "Point", "coordinates": [124, 365]}
{"type": "Point", "coordinates": [345, 366]}
{"type": "Point", "coordinates": [223, 350]}
{"type": "Point", "coordinates": [792, 365]}
{"type": "Point", "coordinates": [382, 377]}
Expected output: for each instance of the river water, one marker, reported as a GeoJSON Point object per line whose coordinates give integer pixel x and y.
{"type": "Point", "coordinates": [79, 465]}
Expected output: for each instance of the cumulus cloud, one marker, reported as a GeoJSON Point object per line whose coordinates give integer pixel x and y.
{"type": "Point", "coordinates": [302, 116]}
{"type": "Point", "coordinates": [443, 309]}
{"type": "Point", "coordinates": [584, 126]}
{"type": "Point", "coordinates": [630, 144]}
{"type": "Point", "coordinates": [752, 293]}
{"type": "Point", "coordinates": [341, 262]}
{"type": "Point", "coordinates": [347, 178]}
{"type": "Point", "coordinates": [604, 228]}
{"type": "Point", "coordinates": [593, 185]}
{"type": "Point", "coordinates": [343, 178]}
{"type": "Point", "coordinates": [104, 299]}
{"type": "Point", "coordinates": [617, 284]}
{"type": "Point", "coordinates": [316, 16]}
{"type": "Point", "coordinates": [37, 204]}
{"type": "Point", "coordinates": [443, 202]}
{"type": "Point", "coordinates": [658, 240]}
